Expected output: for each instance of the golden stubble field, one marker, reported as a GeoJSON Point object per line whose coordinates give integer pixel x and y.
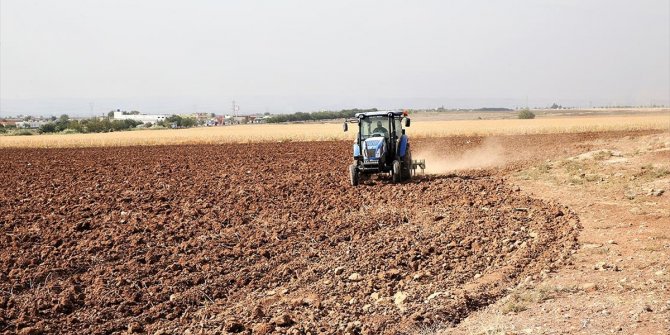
{"type": "Point", "coordinates": [333, 131]}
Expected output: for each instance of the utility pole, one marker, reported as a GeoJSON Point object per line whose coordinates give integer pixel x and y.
{"type": "Point", "coordinates": [527, 107]}
{"type": "Point", "coordinates": [236, 108]}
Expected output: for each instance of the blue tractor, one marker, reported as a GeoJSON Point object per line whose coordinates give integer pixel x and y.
{"type": "Point", "coordinates": [381, 146]}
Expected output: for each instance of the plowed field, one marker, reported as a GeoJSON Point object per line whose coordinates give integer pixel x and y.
{"type": "Point", "coordinates": [262, 238]}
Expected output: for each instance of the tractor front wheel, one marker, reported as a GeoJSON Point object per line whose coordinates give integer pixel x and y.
{"type": "Point", "coordinates": [396, 174]}
{"type": "Point", "coordinates": [353, 175]}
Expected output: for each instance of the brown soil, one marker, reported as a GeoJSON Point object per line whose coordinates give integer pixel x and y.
{"type": "Point", "coordinates": [618, 282]}
{"type": "Point", "coordinates": [266, 238]}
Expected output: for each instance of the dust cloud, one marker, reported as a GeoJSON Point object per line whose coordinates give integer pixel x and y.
{"type": "Point", "coordinates": [487, 154]}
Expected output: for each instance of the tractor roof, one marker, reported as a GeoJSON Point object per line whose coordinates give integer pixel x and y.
{"type": "Point", "coordinates": [379, 113]}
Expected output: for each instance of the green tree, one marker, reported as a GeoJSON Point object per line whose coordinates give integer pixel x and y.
{"type": "Point", "coordinates": [48, 128]}
{"type": "Point", "coordinates": [174, 119]}
{"type": "Point", "coordinates": [62, 123]}
{"type": "Point", "coordinates": [188, 122]}
{"type": "Point", "coordinates": [526, 114]}
{"type": "Point", "coordinates": [75, 125]}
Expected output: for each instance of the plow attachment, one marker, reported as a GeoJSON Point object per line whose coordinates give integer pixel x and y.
{"type": "Point", "coordinates": [418, 164]}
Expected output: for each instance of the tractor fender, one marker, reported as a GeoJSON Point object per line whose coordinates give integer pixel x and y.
{"type": "Point", "coordinates": [402, 146]}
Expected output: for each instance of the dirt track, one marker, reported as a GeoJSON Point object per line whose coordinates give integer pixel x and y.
{"type": "Point", "coordinates": [262, 238]}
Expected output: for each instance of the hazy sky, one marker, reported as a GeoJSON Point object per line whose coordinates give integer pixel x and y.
{"type": "Point", "coordinates": [75, 56]}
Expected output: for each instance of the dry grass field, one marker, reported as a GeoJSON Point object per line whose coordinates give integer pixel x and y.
{"type": "Point", "coordinates": [333, 131]}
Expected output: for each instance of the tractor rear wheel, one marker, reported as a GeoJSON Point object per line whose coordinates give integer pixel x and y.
{"type": "Point", "coordinates": [407, 165]}
{"type": "Point", "coordinates": [353, 175]}
{"type": "Point", "coordinates": [396, 174]}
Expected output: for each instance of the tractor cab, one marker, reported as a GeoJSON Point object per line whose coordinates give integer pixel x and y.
{"type": "Point", "coordinates": [381, 145]}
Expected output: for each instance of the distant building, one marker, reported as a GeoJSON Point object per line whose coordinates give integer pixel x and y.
{"type": "Point", "coordinates": [256, 118]}
{"type": "Point", "coordinates": [9, 122]}
{"type": "Point", "coordinates": [260, 119]}
{"type": "Point", "coordinates": [230, 119]}
{"type": "Point", "coordinates": [144, 118]}
{"type": "Point", "coordinates": [202, 116]}
{"type": "Point", "coordinates": [29, 124]}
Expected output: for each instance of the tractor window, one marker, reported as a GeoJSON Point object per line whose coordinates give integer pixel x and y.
{"type": "Point", "coordinates": [374, 126]}
{"type": "Point", "coordinates": [398, 127]}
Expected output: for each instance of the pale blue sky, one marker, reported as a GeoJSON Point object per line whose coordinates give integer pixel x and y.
{"type": "Point", "coordinates": [283, 56]}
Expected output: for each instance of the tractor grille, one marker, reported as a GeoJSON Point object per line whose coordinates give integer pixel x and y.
{"type": "Point", "coordinates": [370, 153]}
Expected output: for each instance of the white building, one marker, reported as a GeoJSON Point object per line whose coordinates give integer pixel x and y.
{"type": "Point", "coordinates": [29, 124]}
{"type": "Point", "coordinates": [144, 118]}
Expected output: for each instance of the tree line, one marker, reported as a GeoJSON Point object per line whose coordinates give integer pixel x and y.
{"type": "Point", "coordinates": [105, 125]}
{"type": "Point", "coordinates": [315, 116]}
{"type": "Point", "coordinates": [108, 124]}
{"type": "Point", "coordinates": [91, 125]}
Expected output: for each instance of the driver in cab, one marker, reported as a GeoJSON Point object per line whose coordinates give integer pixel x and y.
{"type": "Point", "coordinates": [380, 129]}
